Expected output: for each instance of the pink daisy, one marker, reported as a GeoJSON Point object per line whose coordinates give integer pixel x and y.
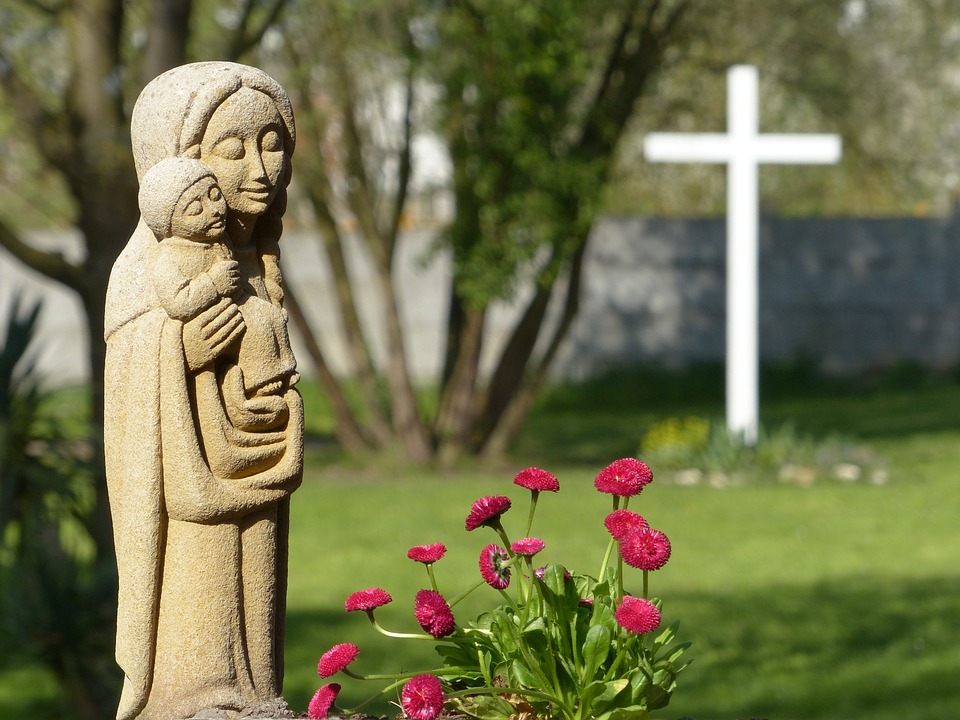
{"type": "Point", "coordinates": [336, 659]}
{"type": "Point", "coordinates": [625, 477]}
{"type": "Point", "coordinates": [638, 615]}
{"type": "Point", "coordinates": [528, 547]}
{"type": "Point", "coordinates": [422, 697]}
{"type": "Point", "coordinates": [645, 549]}
{"type": "Point", "coordinates": [492, 558]}
{"type": "Point", "coordinates": [433, 613]}
{"type": "Point", "coordinates": [367, 600]}
{"type": "Point", "coordinates": [621, 523]}
{"type": "Point", "coordinates": [322, 701]}
{"type": "Point", "coordinates": [537, 480]}
{"type": "Point", "coordinates": [487, 511]}
{"type": "Point", "coordinates": [427, 554]}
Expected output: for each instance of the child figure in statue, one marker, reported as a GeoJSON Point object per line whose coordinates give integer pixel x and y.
{"type": "Point", "coordinates": [193, 267]}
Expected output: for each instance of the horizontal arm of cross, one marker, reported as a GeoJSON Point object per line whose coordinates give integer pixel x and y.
{"type": "Point", "coordinates": [774, 148]}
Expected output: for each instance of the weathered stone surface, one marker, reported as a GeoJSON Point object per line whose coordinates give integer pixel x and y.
{"type": "Point", "coordinates": [203, 427]}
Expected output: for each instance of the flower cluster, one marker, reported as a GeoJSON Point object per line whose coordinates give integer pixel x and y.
{"type": "Point", "coordinates": [564, 644]}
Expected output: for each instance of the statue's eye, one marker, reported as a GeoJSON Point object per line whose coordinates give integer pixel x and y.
{"type": "Point", "coordinates": [214, 193]}
{"type": "Point", "coordinates": [271, 142]}
{"type": "Point", "coordinates": [194, 207]}
{"type": "Point", "coordinates": [230, 148]}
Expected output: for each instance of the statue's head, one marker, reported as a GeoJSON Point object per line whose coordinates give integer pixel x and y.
{"type": "Point", "coordinates": [235, 118]}
{"type": "Point", "coordinates": [181, 196]}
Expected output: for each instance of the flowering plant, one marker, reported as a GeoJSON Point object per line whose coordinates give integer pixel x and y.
{"type": "Point", "coordinates": [562, 644]}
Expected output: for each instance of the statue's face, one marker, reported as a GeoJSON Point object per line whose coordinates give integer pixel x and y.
{"type": "Point", "coordinates": [243, 144]}
{"type": "Point", "coordinates": [200, 213]}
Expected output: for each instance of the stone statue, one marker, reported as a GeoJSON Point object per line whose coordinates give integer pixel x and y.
{"type": "Point", "coordinates": [203, 427]}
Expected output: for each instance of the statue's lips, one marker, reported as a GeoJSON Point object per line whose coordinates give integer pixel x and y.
{"type": "Point", "coordinates": [260, 193]}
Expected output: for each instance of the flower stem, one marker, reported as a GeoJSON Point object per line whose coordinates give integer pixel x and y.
{"type": "Point", "coordinates": [619, 577]}
{"type": "Point", "coordinates": [606, 558]}
{"type": "Point", "coordinates": [405, 636]}
{"type": "Point", "coordinates": [466, 592]}
{"type": "Point", "coordinates": [433, 579]}
{"type": "Point", "coordinates": [503, 535]}
{"type": "Point", "coordinates": [534, 496]}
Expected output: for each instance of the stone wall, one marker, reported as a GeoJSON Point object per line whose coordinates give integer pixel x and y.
{"type": "Point", "coordinates": [849, 294]}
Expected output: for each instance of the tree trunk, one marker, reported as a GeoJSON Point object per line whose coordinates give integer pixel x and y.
{"type": "Point", "coordinates": [513, 363]}
{"type": "Point", "coordinates": [407, 421]}
{"type": "Point", "coordinates": [511, 420]}
{"type": "Point", "coordinates": [348, 430]}
{"type": "Point", "coordinates": [456, 414]}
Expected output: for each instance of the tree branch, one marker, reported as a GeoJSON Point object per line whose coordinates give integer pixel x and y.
{"type": "Point", "coordinates": [29, 108]}
{"type": "Point", "coordinates": [243, 41]}
{"type": "Point", "coordinates": [405, 161]}
{"type": "Point", "coordinates": [51, 264]}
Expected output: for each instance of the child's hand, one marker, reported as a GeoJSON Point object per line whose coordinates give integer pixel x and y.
{"type": "Point", "coordinates": [226, 276]}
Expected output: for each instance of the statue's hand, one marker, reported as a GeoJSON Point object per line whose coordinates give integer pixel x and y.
{"type": "Point", "coordinates": [212, 332]}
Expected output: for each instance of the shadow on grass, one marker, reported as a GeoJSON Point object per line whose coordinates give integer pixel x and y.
{"type": "Point", "coordinates": [867, 648]}
{"type": "Point", "coordinates": [590, 422]}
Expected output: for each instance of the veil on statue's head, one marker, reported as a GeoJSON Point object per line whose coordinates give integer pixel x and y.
{"type": "Point", "coordinates": [173, 110]}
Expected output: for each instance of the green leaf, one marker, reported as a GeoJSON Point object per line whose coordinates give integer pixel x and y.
{"type": "Point", "coordinates": [632, 712]}
{"type": "Point", "coordinates": [610, 692]}
{"type": "Point", "coordinates": [554, 579]}
{"type": "Point", "coordinates": [596, 648]}
{"type": "Point", "coordinates": [526, 677]}
{"type": "Point", "coordinates": [487, 707]}
{"type": "Point", "coordinates": [639, 682]}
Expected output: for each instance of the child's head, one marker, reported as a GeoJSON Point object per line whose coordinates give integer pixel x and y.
{"type": "Point", "coordinates": [180, 196]}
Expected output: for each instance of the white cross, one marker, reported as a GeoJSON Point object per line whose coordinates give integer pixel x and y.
{"type": "Point", "coordinates": [742, 149]}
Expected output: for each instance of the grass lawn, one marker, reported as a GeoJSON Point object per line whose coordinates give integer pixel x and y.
{"type": "Point", "coordinates": [835, 601]}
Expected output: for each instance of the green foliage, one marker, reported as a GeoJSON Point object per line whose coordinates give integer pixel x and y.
{"type": "Point", "coordinates": [57, 597]}
{"type": "Point", "coordinates": [569, 657]}
{"type": "Point", "coordinates": [692, 449]}
{"type": "Point", "coordinates": [514, 109]}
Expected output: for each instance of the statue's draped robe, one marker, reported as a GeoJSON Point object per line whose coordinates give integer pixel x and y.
{"type": "Point", "coordinates": [200, 515]}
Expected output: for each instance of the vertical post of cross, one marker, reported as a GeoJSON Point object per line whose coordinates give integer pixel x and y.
{"type": "Point", "coordinates": [742, 149]}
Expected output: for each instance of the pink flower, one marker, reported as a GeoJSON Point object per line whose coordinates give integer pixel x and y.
{"type": "Point", "coordinates": [336, 659]}
{"type": "Point", "coordinates": [427, 554]}
{"type": "Point", "coordinates": [367, 600]}
{"type": "Point", "coordinates": [624, 477]}
{"type": "Point", "coordinates": [621, 522]}
{"type": "Point", "coordinates": [528, 547]}
{"type": "Point", "coordinates": [492, 558]}
{"type": "Point", "coordinates": [433, 613]}
{"type": "Point", "coordinates": [638, 615]}
{"type": "Point", "coordinates": [322, 701]}
{"type": "Point", "coordinates": [422, 697]}
{"type": "Point", "coordinates": [487, 511]}
{"type": "Point", "coordinates": [537, 480]}
{"type": "Point", "coordinates": [645, 549]}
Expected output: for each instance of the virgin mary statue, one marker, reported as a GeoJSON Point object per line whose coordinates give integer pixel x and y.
{"type": "Point", "coordinates": [199, 469]}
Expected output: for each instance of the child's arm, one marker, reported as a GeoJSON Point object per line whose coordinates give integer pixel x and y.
{"type": "Point", "coordinates": [184, 297]}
